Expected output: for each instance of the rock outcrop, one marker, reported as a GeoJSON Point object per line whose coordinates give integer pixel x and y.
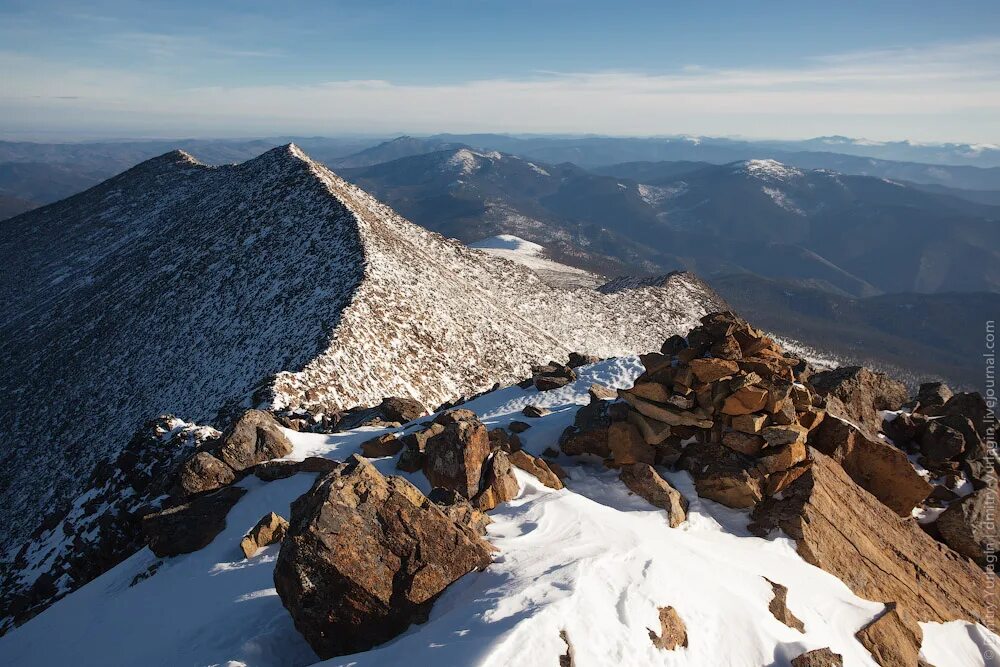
{"type": "Point", "coordinates": [365, 557]}
{"type": "Point", "coordinates": [673, 632]}
{"type": "Point", "coordinates": [861, 394]}
{"type": "Point", "coordinates": [821, 657]}
{"type": "Point", "coordinates": [254, 437]}
{"type": "Point", "coordinates": [191, 526]}
{"type": "Point", "coordinates": [970, 526]}
{"type": "Point", "coordinates": [454, 458]}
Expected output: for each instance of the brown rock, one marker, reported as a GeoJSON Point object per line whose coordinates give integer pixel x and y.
{"type": "Point", "coordinates": [653, 432]}
{"type": "Point", "coordinates": [589, 432]}
{"type": "Point", "coordinates": [821, 657]}
{"type": "Point", "coordinates": [537, 467]}
{"type": "Point", "coordinates": [812, 417]}
{"type": "Point", "coordinates": [651, 391]}
{"type": "Point", "coordinates": [749, 423]}
{"type": "Point", "coordinates": [940, 443]}
{"type": "Point", "coordinates": [270, 471]}
{"type": "Point", "coordinates": [255, 437]}
{"type": "Point", "coordinates": [455, 416]}
{"type": "Point", "coordinates": [841, 528]}
{"type": "Point", "coordinates": [722, 475]}
{"type": "Point", "coordinates": [666, 413]}
{"type": "Point", "coordinates": [970, 526]}
{"type": "Point", "coordinates": [412, 457]}
{"type": "Point", "coordinates": [745, 400]}
{"type": "Point", "coordinates": [200, 473]}
{"type": "Point", "coordinates": [598, 392]}
{"type": "Point", "coordinates": [577, 359]}
{"type": "Point", "coordinates": [779, 608]}
{"type": "Point", "coordinates": [386, 444]}
{"type": "Point", "coordinates": [643, 480]}
{"type": "Point", "coordinates": [776, 436]}
{"type": "Point", "coordinates": [673, 632]}
{"type": "Point", "coordinates": [876, 466]}
{"type": "Point", "coordinates": [269, 530]}
{"type": "Point", "coordinates": [744, 443]}
{"type": "Point", "coordinates": [454, 458]}
{"type": "Point", "coordinates": [365, 557]}
{"type": "Point", "coordinates": [673, 345]}
{"type": "Point", "coordinates": [503, 439]}
{"type": "Point", "coordinates": [550, 382]}
{"type": "Point", "coordinates": [710, 370]}
{"type": "Point", "coordinates": [460, 510]}
{"type": "Point", "coordinates": [782, 458]}
{"type": "Point", "coordinates": [892, 639]}
{"type": "Point", "coordinates": [862, 392]}
{"type": "Point", "coordinates": [779, 481]}
{"type": "Point", "coordinates": [726, 348]}
{"type": "Point", "coordinates": [534, 411]}
{"type": "Point", "coordinates": [192, 526]}
{"type": "Point", "coordinates": [499, 483]}
{"type": "Point", "coordinates": [628, 446]}
{"type": "Point", "coordinates": [518, 426]}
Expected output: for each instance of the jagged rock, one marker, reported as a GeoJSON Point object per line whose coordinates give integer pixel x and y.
{"type": "Point", "coordinates": [779, 480]}
{"type": "Point", "coordinates": [745, 400]}
{"type": "Point", "coordinates": [749, 423]}
{"type": "Point", "coordinates": [270, 471]}
{"type": "Point", "coordinates": [537, 467]}
{"type": "Point", "coordinates": [454, 458]}
{"type": "Point", "coordinates": [455, 416]}
{"type": "Point", "coordinates": [518, 426]}
{"type": "Point", "coordinates": [576, 359]}
{"type": "Point", "coordinates": [841, 528]}
{"type": "Point", "coordinates": [255, 437]}
{"type": "Point", "coordinates": [628, 446]}
{"type": "Point", "coordinates": [414, 444]}
{"type": "Point", "coordinates": [710, 370]}
{"type": "Point", "coordinates": [202, 472]}
{"type": "Point", "coordinates": [776, 436]}
{"type": "Point", "coordinates": [534, 411]}
{"type": "Point", "coordinates": [589, 432]}
{"type": "Point", "coordinates": [503, 439]}
{"type": "Point", "coordinates": [387, 444]}
{"type": "Point", "coordinates": [391, 411]}
{"type": "Point", "coordinates": [673, 345]}
{"type": "Point", "coordinates": [903, 427]}
{"type": "Point", "coordinates": [972, 406]}
{"type": "Point", "coordinates": [364, 558]}
{"type": "Point", "coordinates": [893, 639]}
{"type": "Point", "coordinates": [782, 458]}
{"type": "Point", "coordinates": [269, 530]}
{"type": "Point", "coordinates": [460, 510]}
{"type": "Point", "coordinates": [876, 466]}
{"type": "Point", "coordinates": [598, 392]}
{"type": "Point", "coordinates": [744, 443]}
{"type": "Point", "coordinates": [779, 608]}
{"type": "Point", "coordinates": [550, 382]}
{"type": "Point", "coordinates": [970, 527]}
{"type": "Point", "coordinates": [191, 526]}
{"type": "Point", "coordinates": [499, 483]}
{"type": "Point", "coordinates": [939, 442]}
{"type": "Point", "coordinates": [931, 395]}
{"type": "Point", "coordinates": [821, 657]}
{"type": "Point", "coordinates": [722, 475]}
{"type": "Point", "coordinates": [862, 393]}
{"type": "Point", "coordinates": [643, 480]}
{"type": "Point", "coordinates": [673, 632]}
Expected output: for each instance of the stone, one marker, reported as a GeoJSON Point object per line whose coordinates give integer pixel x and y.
{"type": "Point", "coordinates": [537, 467]}
{"type": "Point", "coordinates": [893, 641]}
{"type": "Point", "coordinates": [970, 526]}
{"type": "Point", "coordinates": [744, 443]}
{"type": "Point", "coordinates": [505, 440]}
{"type": "Point", "coordinates": [710, 370]}
{"type": "Point", "coordinates": [673, 345]}
{"type": "Point", "coordinates": [972, 406]}
{"type": "Point", "coordinates": [722, 475]}
{"type": "Point", "coordinates": [844, 530]}
{"type": "Point", "coordinates": [778, 481]}
{"type": "Point", "coordinates": [270, 471]}
{"type": "Point", "coordinates": [254, 437]}
{"type": "Point", "coordinates": [726, 348]}
{"type": "Point", "coordinates": [931, 395]}
{"type": "Point", "coordinates": [940, 443]}
{"type": "Point", "coordinates": [673, 632]}
{"type": "Point", "coordinates": [387, 444]}
{"type": "Point", "coordinates": [401, 409]}
{"type": "Point", "coordinates": [628, 446]}
{"type": "Point", "coordinates": [499, 483]}
{"type": "Point", "coordinates": [878, 467]}
{"type": "Point", "coordinates": [589, 432]}
{"type": "Point", "coordinates": [269, 530]}
{"type": "Point", "coordinates": [779, 607]}
{"type": "Point", "coordinates": [534, 411]}
{"type": "Point", "coordinates": [550, 382]}
{"type": "Point", "coordinates": [666, 414]}
{"type": "Point", "coordinates": [643, 480]}
{"type": "Point", "coordinates": [454, 458]}
{"type": "Point", "coordinates": [455, 416]}
{"type": "Point", "coordinates": [781, 458]}
{"type": "Point", "coordinates": [598, 392]}
{"type": "Point", "coordinates": [577, 359]}
{"type": "Point", "coordinates": [191, 526]}
{"type": "Point", "coordinates": [903, 427]}
{"type": "Point", "coordinates": [460, 510]}
{"type": "Point", "coordinates": [653, 432]}
{"type": "Point", "coordinates": [862, 392]}
{"type": "Point", "coordinates": [518, 426]}
{"type": "Point", "coordinates": [776, 436]}
{"type": "Point", "coordinates": [812, 417]}
{"type": "Point", "coordinates": [412, 458]}
{"type": "Point", "coordinates": [200, 473]}
{"type": "Point", "coordinates": [651, 391]}
{"type": "Point", "coordinates": [749, 423]}
{"type": "Point", "coordinates": [821, 657]}
{"type": "Point", "coordinates": [365, 557]}
{"type": "Point", "coordinates": [745, 400]}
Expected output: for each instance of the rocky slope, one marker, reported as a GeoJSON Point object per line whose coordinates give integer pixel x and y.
{"type": "Point", "coordinates": [182, 288]}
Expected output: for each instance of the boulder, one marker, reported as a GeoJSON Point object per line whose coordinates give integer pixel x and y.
{"type": "Point", "coordinates": [537, 467]}
{"type": "Point", "coordinates": [931, 395]}
{"type": "Point", "coordinates": [710, 370]}
{"type": "Point", "coordinates": [387, 444]}
{"type": "Point", "coordinates": [821, 657]}
{"type": "Point", "coordinates": [414, 444]}
{"type": "Point", "coordinates": [970, 526]}
{"type": "Point", "coordinates": [744, 443]}
{"type": "Point", "coordinates": [365, 557]}
{"type": "Point", "coordinates": [903, 428]}
{"type": "Point", "coordinates": [779, 608]}
{"type": "Point", "coordinates": [589, 432]}
{"type": "Point", "coordinates": [643, 480]}
{"type": "Point", "coordinates": [270, 471]}
{"type": "Point", "coordinates": [652, 431]}
{"type": "Point", "coordinates": [893, 639]}
{"type": "Point", "coordinates": [499, 483]}
{"type": "Point", "coordinates": [673, 632]}
{"type": "Point", "coordinates": [454, 458]}
{"type": "Point", "coordinates": [460, 510]}
{"type": "Point", "coordinates": [200, 473]}
{"type": "Point", "coordinates": [628, 446]}
{"type": "Point", "coordinates": [776, 436]}
{"type": "Point", "coordinates": [269, 530]}
{"type": "Point", "coordinates": [191, 526]}
{"type": "Point", "coordinates": [455, 416]}
{"type": "Point", "coordinates": [878, 467]}
{"type": "Point", "coordinates": [518, 426]}
{"type": "Point", "coordinates": [673, 345]}
{"type": "Point", "coordinates": [393, 410]}
{"type": "Point", "coordinates": [651, 391]}
{"type": "Point", "coordinates": [577, 359]}
{"type": "Point", "coordinates": [503, 439]}
{"type": "Point", "coordinates": [972, 406]}
{"type": "Point", "coordinates": [781, 458]}
{"type": "Point", "coordinates": [844, 530]}
{"type": "Point", "coordinates": [745, 400]}
{"type": "Point", "coordinates": [722, 475]}
{"type": "Point", "coordinates": [534, 411]}
{"type": "Point", "coordinates": [254, 438]}
{"type": "Point", "coordinates": [862, 393]}
{"type": "Point", "coordinates": [749, 423]}
{"type": "Point", "coordinates": [939, 443]}
{"type": "Point", "coordinates": [598, 392]}
{"type": "Point", "coordinates": [666, 414]}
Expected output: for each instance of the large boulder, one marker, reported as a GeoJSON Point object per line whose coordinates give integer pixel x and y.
{"type": "Point", "coordinates": [200, 473]}
{"type": "Point", "coordinates": [254, 437]}
{"type": "Point", "coordinates": [499, 484]}
{"type": "Point", "coordinates": [878, 467]}
{"type": "Point", "coordinates": [589, 432]}
{"type": "Point", "coordinates": [460, 510]}
{"type": "Point", "coordinates": [365, 557]}
{"type": "Point", "coordinates": [454, 458]}
{"type": "Point", "coordinates": [191, 526]}
{"type": "Point", "coordinates": [893, 639]}
{"type": "Point", "coordinates": [537, 467]}
{"type": "Point", "coordinates": [940, 443]}
{"type": "Point", "coordinates": [861, 393]}
{"type": "Point", "coordinates": [841, 528]}
{"type": "Point", "coordinates": [970, 527]}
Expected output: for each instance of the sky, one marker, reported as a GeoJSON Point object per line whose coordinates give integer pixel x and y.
{"type": "Point", "coordinates": [917, 70]}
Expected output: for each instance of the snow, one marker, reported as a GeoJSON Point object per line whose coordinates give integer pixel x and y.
{"type": "Point", "coordinates": [782, 200]}
{"type": "Point", "coordinates": [532, 256]}
{"type": "Point", "coordinates": [591, 560]}
{"type": "Point", "coordinates": [655, 195]}
{"type": "Point", "coordinates": [767, 170]}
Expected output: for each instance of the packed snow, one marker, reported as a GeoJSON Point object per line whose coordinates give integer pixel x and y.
{"type": "Point", "coordinates": [590, 561]}
{"type": "Point", "coordinates": [532, 256]}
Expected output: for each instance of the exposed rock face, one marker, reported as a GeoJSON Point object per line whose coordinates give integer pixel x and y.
{"type": "Point", "coordinates": [643, 480]}
{"type": "Point", "coordinates": [192, 526]}
{"type": "Point", "coordinates": [821, 657]}
{"type": "Point", "coordinates": [673, 632]}
{"type": "Point", "coordinates": [414, 446]}
{"type": "Point", "coordinates": [892, 639]}
{"type": "Point", "coordinates": [270, 529]}
{"type": "Point", "coordinates": [970, 526]}
{"type": "Point", "coordinates": [202, 472]}
{"type": "Point", "coordinates": [841, 528]}
{"type": "Point", "coordinates": [537, 467]}
{"type": "Point", "coordinates": [460, 510]}
{"type": "Point", "coordinates": [454, 457]}
{"type": "Point", "coordinates": [779, 608]}
{"type": "Point", "coordinates": [878, 467]}
{"type": "Point", "coordinates": [722, 475]}
{"type": "Point", "coordinates": [366, 556]}
{"type": "Point", "coordinates": [254, 438]}
{"type": "Point", "coordinates": [498, 483]}
{"type": "Point", "coordinates": [862, 393]}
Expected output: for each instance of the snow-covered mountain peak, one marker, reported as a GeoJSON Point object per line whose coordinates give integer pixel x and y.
{"type": "Point", "coordinates": [767, 170]}
{"type": "Point", "coordinates": [468, 161]}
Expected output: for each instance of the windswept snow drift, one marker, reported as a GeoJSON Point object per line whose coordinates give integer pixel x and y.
{"type": "Point", "coordinates": [533, 256]}
{"type": "Point", "coordinates": [591, 560]}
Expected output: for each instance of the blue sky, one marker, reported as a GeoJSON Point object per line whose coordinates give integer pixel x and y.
{"type": "Point", "coordinates": [920, 70]}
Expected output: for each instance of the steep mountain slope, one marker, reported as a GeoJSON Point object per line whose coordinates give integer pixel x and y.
{"type": "Point", "coordinates": [177, 287]}
{"type": "Point", "coordinates": [11, 206]}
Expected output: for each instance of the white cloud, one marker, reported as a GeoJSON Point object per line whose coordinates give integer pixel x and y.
{"type": "Point", "coordinates": [943, 92]}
